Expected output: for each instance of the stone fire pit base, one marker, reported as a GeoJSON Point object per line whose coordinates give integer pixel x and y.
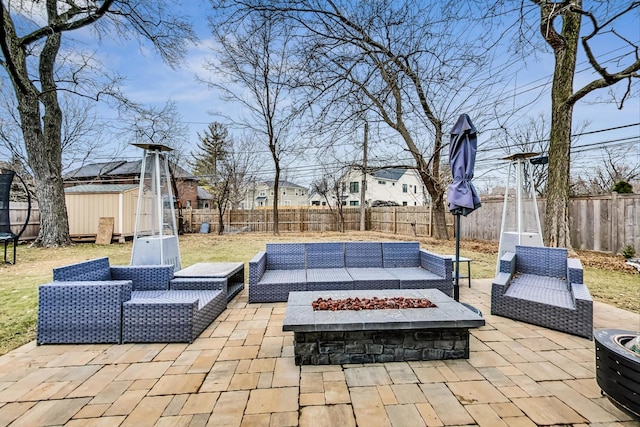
{"type": "Point", "coordinates": [369, 336]}
{"type": "Point", "coordinates": [337, 348]}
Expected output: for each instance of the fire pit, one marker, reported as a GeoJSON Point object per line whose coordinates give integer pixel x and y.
{"type": "Point", "coordinates": [618, 368]}
{"type": "Point", "coordinates": [414, 324]}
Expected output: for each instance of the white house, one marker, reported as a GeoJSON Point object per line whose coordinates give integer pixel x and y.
{"type": "Point", "coordinates": [384, 187]}
{"type": "Point", "coordinates": [261, 194]}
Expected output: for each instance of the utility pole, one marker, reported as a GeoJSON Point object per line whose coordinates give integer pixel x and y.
{"type": "Point", "coordinates": [363, 184]}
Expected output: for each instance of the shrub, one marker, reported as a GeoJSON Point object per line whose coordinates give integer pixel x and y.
{"type": "Point", "coordinates": [628, 252]}
{"type": "Point", "coordinates": [622, 187]}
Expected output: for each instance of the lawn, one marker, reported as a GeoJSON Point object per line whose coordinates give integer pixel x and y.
{"type": "Point", "coordinates": [19, 283]}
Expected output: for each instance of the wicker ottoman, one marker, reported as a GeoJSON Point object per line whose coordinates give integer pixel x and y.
{"type": "Point", "coordinates": [170, 316]}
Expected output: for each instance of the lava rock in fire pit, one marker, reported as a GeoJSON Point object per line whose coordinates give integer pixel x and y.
{"type": "Point", "coordinates": [374, 303]}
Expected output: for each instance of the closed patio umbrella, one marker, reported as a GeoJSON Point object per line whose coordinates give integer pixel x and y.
{"type": "Point", "coordinates": [462, 195]}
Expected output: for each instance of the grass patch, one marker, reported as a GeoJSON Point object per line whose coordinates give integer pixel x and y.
{"type": "Point", "coordinates": [19, 283]}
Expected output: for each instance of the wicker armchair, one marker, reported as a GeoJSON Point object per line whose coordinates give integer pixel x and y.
{"type": "Point", "coordinates": [543, 287]}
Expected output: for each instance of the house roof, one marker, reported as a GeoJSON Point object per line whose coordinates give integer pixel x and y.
{"type": "Point", "coordinates": [283, 183]}
{"type": "Point", "coordinates": [204, 194]}
{"type": "Point", "coordinates": [393, 174]}
{"type": "Point", "coordinates": [94, 170]}
{"type": "Point", "coordinates": [98, 188]}
{"type": "Point", "coordinates": [119, 168]}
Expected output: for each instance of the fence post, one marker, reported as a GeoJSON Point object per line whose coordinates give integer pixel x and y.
{"type": "Point", "coordinates": [614, 223]}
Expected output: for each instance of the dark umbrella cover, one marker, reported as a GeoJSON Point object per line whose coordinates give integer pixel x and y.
{"type": "Point", "coordinates": [462, 195]}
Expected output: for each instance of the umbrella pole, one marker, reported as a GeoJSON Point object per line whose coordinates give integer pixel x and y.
{"type": "Point", "coordinates": [456, 288]}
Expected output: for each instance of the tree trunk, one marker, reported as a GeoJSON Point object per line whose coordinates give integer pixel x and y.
{"type": "Point", "coordinates": [565, 46]}
{"type": "Point", "coordinates": [276, 189]}
{"type": "Point", "coordinates": [42, 138]}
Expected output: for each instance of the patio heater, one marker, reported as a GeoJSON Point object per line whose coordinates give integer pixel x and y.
{"type": "Point", "coordinates": [520, 218]}
{"type": "Point", "coordinates": [155, 236]}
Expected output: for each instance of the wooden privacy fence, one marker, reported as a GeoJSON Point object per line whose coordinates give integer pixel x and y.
{"type": "Point", "coordinates": [17, 216]}
{"type": "Point", "coordinates": [605, 223]}
{"type": "Point", "coordinates": [602, 223]}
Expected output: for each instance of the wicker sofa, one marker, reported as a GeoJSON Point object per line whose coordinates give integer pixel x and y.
{"type": "Point", "coordinates": [287, 267]}
{"type": "Point", "coordinates": [543, 287]}
{"type": "Point", "coordinates": [93, 302]}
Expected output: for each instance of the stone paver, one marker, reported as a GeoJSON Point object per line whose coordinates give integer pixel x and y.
{"type": "Point", "coordinates": [273, 400]}
{"type": "Point", "coordinates": [367, 376]}
{"type": "Point", "coordinates": [241, 372]}
{"type": "Point", "coordinates": [337, 415]}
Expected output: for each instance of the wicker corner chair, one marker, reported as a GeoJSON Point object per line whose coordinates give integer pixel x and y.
{"type": "Point", "coordinates": [93, 302]}
{"type": "Point", "coordinates": [541, 286]}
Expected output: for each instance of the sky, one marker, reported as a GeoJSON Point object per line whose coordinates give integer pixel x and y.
{"type": "Point", "coordinates": [151, 82]}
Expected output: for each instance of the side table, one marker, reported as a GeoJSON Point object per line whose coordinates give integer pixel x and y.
{"type": "Point", "coordinates": [462, 259]}
{"type": "Point", "coordinates": [232, 271]}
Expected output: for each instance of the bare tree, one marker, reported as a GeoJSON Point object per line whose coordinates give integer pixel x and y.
{"type": "Point", "coordinates": [332, 189]}
{"type": "Point", "coordinates": [30, 57]}
{"type": "Point", "coordinates": [82, 131]}
{"type": "Point", "coordinates": [416, 63]}
{"type": "Point", "coordinates": [615, 167]}
{"type": "Point", "coordinates": [252, 57]}
{"type": "Point", "coordinates": [161, 126]}
{"type": "Point", "coordinates": [561, 26]}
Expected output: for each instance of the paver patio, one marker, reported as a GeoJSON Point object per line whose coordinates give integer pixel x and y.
{"type": "Point", "coordinates": [241, 371]}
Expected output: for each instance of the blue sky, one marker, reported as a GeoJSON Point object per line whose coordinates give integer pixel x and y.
{"type": "Point", "coordinates": [151, 82]}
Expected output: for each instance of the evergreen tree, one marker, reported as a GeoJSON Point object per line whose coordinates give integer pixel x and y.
{"type": "Point", "coordinates": [212, 150]}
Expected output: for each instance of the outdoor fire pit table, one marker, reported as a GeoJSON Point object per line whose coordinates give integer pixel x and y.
{"type": "Point", "coordinates": [368, 336]}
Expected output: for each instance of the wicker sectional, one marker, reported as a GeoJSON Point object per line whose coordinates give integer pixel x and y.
{"type": "Point", "coordinates": [543, 287]}
{"type": "Point", "coordinates": [92, 302]}
{"type": "Point", "coordinates": [287, 267]}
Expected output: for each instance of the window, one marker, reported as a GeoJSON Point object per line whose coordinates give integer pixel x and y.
{"type": "Point", "coordinates": [324, 203]}
{"type": "Point", "coordinates": [382, 182]}
{"type": "Point", "coordinates": [284, 192]}
{"type": "Point", "coordinates": [263, 193]}
{"type": "Point", "coordinates": [354, 203]}
{"type": "Point", "coordinates": [354, 187]}
{"type": "Point", "coordinates": [315, 203]}
{"type": "Point", "coordinates": [405, 188]}
{"type": "Point", "coordinates": [343, 186]}
{"type": "Point", "coordinates": [286, 203]}
{"type": "Point", "coordinates": [344, 203]}
{"type": "Point", "coordinates": [302, 192]}
{"type": "Point", "coordinates": [415, 188]}
{"type": "Point", "coordinates": [404, 203]}
{"type": "Point", "coordinates": [188, 203]}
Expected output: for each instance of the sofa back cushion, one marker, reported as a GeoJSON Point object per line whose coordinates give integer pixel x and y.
{"type": "Point", "coordinates": [363, 254]}
{"type": "Point", "coordinates": [325, 255]}
{"type": "Point", "coordinates": [542, 261]}
{"type": "Point", "coordinates": [401, 254]}
{"type": "Point", "coordinates": [285, 256]}
{"type": "Point", "coordinates": [93, 270]}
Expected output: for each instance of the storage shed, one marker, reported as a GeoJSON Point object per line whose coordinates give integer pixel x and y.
{"type": "Point", "coordinates": [86, 204]}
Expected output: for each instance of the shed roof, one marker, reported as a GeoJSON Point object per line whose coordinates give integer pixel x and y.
{"type": "Point", "coordinates": [97, 188]}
